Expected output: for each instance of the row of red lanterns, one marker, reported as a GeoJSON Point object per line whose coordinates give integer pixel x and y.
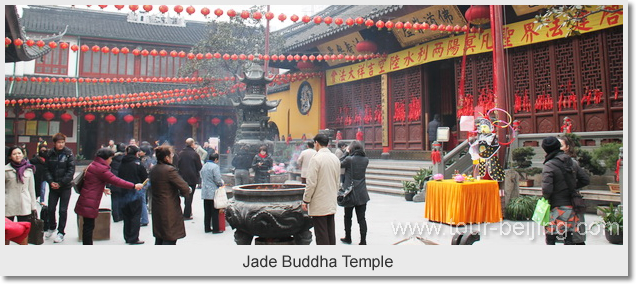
{"type": "Point", "coordinates": [190, 55]}
{"type": "Point", "coordinates": [360, 21]}
{"type": "Point", "coordinates": [138, 80]}
{"type": "Point", "coordinates": [48, 116]}
{"type": "Point", "coordinates": [110, 118]}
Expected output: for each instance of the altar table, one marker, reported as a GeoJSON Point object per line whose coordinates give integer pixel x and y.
{"type": "Point", "coordinates": [469, 202]}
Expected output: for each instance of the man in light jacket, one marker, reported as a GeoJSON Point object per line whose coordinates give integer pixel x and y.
{"type": "Point", "coordinates": [303, 160]}
{"type": "Point", "coordinates": [321, 191]}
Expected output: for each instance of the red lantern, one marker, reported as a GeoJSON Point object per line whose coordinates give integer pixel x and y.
{"type": "Point", "coordinates": [349, 22]}
{"type": "Point", "coordinates": [30, 43]}
{"type": "Point", "coordinates": [230, 13]}
{"type": "Point", "coordinates": [294, 18]}
{"type": "Point", "coordinates": [246, 14]}
{"type": "Point", "coordinates": [119, 7]}
{"type": "Point", "coordinates": [133, 7]}
{"type": "Point", "coordinates": [48, 115]}
{"type": "Point", "coordinates": [178, 9]}
{"type": "Point", "coordinates": [359, 21]}
{"type": "Point", "coordinates": [102, 6]}
{"type": "Point", "coordinates": [18, 42]}
{"type": "Point", "coordinates": [478, 14]}
{"type": "Point", "coordinates": [53, 44]}
{"type": "Point", "coordinates": [192, 121]}
{"type": "Point", "coordinates": [29, 115]}
{"type": "Point", "coordinates": [282, 17]}
{"type": "Point", "coordinates": [147, 8]}
{"type": "Point", "coordinates": [125, 50]}
{"type": "Point", "coordinates": [163, 9]}
{"type": "Point", "coordinates": [317, 20]}
{"type": "Point", "coordinates": [366, 46]}
{"type": "Point", "coordinates": [215, 121]}
{"type": "Point", "coordinates": [110, 118]}
{"type": "Point", "coordinates": [328, 20]}
{"type": "Point", "coordinates": [149, 119]}
{"type": "Point", "coordinates": [205, 12]}
{"type": "Point", "coordinates": [171, 120]}
{"type": "Point", "coordinates": [190, 10]}
{"type": "Point", "coordinates": [306, 19]}
{"type": "Point", "coordinates": [229, 121]}
{"type": "Point", "coordinates": [66, 117]}
{"type": "Point", "coordinates": [40, 43]}
{"type": "Point", "coordinates": [129, 118]}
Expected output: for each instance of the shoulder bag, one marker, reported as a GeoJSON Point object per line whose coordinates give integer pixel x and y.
{"type": "Point", "coordinates": [78, 181]}
{"type": "Point", "coordinates": [346, 195]}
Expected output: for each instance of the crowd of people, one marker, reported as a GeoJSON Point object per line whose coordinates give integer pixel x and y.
{"type": "Point", "coordinates": [141, 179]}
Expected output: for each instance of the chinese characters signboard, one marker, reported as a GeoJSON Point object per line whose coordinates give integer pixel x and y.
{"type": "Point", "coordinates": [514, 35]}
{"type": "Point", "coordinates": [527, 9]}
{"type": "Point", "coordinates": [438, 14]}
{"type": "Point", "coordinates": [344, 45]}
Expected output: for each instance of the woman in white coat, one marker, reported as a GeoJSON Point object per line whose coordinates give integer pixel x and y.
{"type": "Point", "coordinates": [19, 186]}
{"type": "Point", "coordinates": [210, 182]}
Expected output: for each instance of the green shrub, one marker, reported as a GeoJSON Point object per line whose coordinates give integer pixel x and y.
{"type": "Point", "coordinates": [608, 153]}
{"type": "Point", "coordinates": [521, 208]}
{"type": "Point", "coordinates": [522, 162]}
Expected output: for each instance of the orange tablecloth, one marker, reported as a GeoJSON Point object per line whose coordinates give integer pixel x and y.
{"type": "Point", "coordinates": [463, 203]}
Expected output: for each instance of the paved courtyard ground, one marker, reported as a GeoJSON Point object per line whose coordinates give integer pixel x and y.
{"type": "Point", "coordinates": [390, 219]}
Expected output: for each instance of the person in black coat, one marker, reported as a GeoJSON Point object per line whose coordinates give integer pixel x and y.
{"type": "Point", "coordinates": [262, 165]}
{"type": "Point", "coordinates": [355, 163]}
{"type": "Point", "coordinates": [60, 167]}
{"type": "Point", "coordinates": [189, 166]}
{"type": "Point", "coordinates": [242, 163]}
{"type": "Point", "coordinates": [116, 192]}
{"type": "Point", "coordinates": [133, 171]}
{"type": "Point", "coordinates": [556, 190]}
{"type": "Point", "coordinates": [38, 161]}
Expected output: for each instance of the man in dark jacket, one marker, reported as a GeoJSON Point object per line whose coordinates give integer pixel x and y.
{"type": "Point", "coordinates": [242, 163]}
{"type": "Point", "coordinates": [116, 192]}
{"type": "Point", "coordinates": [133, 171]}
{"type": "Point", "coordinates": [60, 167]}
{"type": "Point", "coordinates": [189, 166]}
{"type": "Point", "coordinates": [432, 128]}
{"type": "Point", "coordinates": [38, 161]}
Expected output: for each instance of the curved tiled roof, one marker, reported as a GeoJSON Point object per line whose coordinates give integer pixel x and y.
{"type": "Point", "coordinates": [14, 29]}
{"type": "Point", "coordinates": [301, 34]}
{"type": "Point", "coordinates": [110, 25]}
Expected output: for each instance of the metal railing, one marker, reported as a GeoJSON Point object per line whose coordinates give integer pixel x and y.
{"type": "Point", "coordinates": [457, 159]}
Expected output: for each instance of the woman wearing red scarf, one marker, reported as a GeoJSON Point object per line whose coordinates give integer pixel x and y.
{"type": "Point", "coordinates": [262, 165]}
{"type": "Point", "coordinates": [19, 186]}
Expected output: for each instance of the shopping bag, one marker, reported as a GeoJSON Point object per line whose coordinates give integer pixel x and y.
{"type": "Point", "coordinates": [220, 198]}
{"type": "Point", "coordinates": [542, 212]}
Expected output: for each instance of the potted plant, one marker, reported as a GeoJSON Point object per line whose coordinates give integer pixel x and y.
{"type": "Point", "coordinates": [410, 189]}
{"type": "Point", "coordinates": [522, 163]}
{"type": "Point", "coordinates": [609, 153]}
{"type": "Point", "coordinates": [423, 175]}
{"type": "Point", "coordinates": [612, 220]}
{"type": "Point", "coordinates": [521, 208]}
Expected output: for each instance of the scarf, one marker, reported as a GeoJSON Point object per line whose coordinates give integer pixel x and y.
{"type": "Point", "coordinates": [21, 167]}
{"type": "Point", "coordinates": [262, 156]}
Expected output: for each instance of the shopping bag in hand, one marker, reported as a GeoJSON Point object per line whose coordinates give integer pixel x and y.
{"type": "Point", "coordinates": [542, 212]}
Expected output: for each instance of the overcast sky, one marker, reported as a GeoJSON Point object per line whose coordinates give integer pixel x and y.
{"type": "Point", "coordinates": [275, 24]}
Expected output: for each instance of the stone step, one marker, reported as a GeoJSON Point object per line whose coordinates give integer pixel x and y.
{"type": "Point", "coordinates": [403, 173]}
{"type": "Point", "coordinates": [385, 190]}
{"type": "Point", "coordinates": [392, 178]}
{"type": "Point", "coordinates": [392, 184]}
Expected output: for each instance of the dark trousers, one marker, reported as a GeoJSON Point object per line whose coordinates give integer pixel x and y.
{"type": "Point", "coordinates": [325, 229]}
{"type": "Point", "coordinates": [25, 218]}
{"type": "Point", "coordinates": [87, 231]}
{"type": "Point", "coordinates": [210, 214]}
{"type": "Point", "coordinates": [551, 239]}
{"type": "Point", "coordinates": [131, 214]}
{"type": "Point", "coordinates": [362, 221]}
{"type": "Point", "coordinates": [115, 199]}
{"type": "Point", "coordinates": [159, 242]}
{"type": "Point", "coordinates": [63, 196]}
{"type": "Point", "coordinates": [187, 208]}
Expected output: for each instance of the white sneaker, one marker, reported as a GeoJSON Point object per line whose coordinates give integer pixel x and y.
{"type": "Point", "coordinates": [48, 234]}
{"type": "Point", "coordinates": [59, 239]}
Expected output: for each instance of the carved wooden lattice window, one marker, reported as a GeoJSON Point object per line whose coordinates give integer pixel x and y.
{"type": "Point", "coordinates": [615, 64]}
{"type": "Point", "coordinates": [590, 60]}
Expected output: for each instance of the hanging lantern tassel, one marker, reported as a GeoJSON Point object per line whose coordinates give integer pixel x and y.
{"type": "Point", "coordinates": [436, 157]}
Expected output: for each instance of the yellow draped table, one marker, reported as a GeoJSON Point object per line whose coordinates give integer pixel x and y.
{"type": "Point", "coordinates": [469, 202]}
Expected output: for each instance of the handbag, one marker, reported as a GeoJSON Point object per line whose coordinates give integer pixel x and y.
{"type": "Point", "coordinates": [542, 212]}
{"type": "Point", "coordinates": [220, 198]}
{"type": "Point", "coordinates": [346, 196]}
{"type": "Point", "coordinates": [36, 234]}
{"type": "Point", "coordinates": [44, 215]}
{"type": "Point", "coordinates": [78, 181]}
{"type": "Point", "coordinates": [578, 203]}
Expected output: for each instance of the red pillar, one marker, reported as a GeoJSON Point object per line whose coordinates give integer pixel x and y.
{"type": "Point", "coordinates": [499, 72]}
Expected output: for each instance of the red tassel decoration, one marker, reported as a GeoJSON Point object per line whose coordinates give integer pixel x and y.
{"type": "Point", "coordinates": [436, 157]}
